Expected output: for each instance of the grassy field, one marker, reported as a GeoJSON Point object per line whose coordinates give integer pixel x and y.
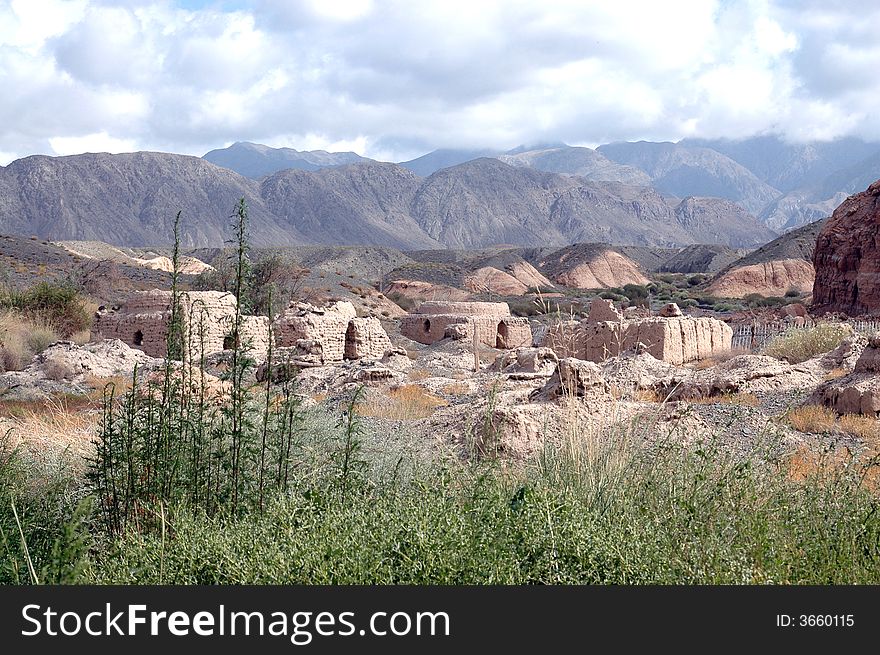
{"type": "Point", "coordinates": [606, 511]}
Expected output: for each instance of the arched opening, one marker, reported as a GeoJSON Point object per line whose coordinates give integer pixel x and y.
{"type": "Point", "coordinates": [138, 338]}
{"type": "Point", "coordinates": [351, 351]}
{"type": "Point", "coordinates": [501, 336]}
{"type": "Point", "coordinates": [427, 325]}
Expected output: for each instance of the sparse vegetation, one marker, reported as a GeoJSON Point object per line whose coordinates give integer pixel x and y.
{"type": "Point", "coordinates": [21, 338]}
{"type": "Point", "coordinates": [407, 402]}
{"type": "Point", "coordinates": [814, 419]}
{"type": "Point", "coordinates": [797, 345]}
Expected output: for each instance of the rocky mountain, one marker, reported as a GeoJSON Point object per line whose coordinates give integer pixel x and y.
{"type": "Point", "coordinates": [486, 201]}
{"type": "Point", "coordinates": [131, 200]}
{"type": "Point", "coordinates": [584, 162]}
{"type": "Point", "coordinates": [255, 160]}
{"type": "Point", "coordinates": [789, 166]}
{"type": "Point", "coordinates": [692, 171]}
{"type": "Point", "coordinates": [701, 258]}
{"type": "Point", "coordinates": [367, 203]}
{"type": "Point", "coordinates": [444, 158]}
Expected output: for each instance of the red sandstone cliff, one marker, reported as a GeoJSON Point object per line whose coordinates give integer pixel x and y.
{"type": "Point", "coordinates": [847, 257]}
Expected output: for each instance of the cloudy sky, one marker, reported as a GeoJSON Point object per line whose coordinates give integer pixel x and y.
{"type": "Point", "coordinates": [392, 79]}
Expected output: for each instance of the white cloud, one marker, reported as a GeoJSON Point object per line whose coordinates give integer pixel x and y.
{"type": "Point", "coordinates": [98, 142]}
{"type": "Point", "coordinates": [391, 79]}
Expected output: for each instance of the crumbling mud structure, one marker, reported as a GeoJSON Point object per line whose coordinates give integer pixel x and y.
{"type": "Point", "coordinates": [322, 334]}
{"type": "Point", "coordinates": [330, 334]}
{"type": "Point", "coordinates": [490, 322]}
{"type": "Point", "coordinates": [670, 336]}
{"type": "Point", "coordinates": [208, 316]}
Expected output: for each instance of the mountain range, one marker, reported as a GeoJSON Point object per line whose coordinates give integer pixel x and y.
{"type": "Point", "coordinates": [739, 194]}
{"type": "Point", "coordinates": [784, 184]}
{"type": "Point", "coordinates": [131, 200]}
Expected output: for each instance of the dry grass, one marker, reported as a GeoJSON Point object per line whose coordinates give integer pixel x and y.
{"type": "Point", "coordinates": [719, 358]}
{"type": "Point", "coordinates": [457, 389]}
{"type": "Point", "coordinates": [418, 374]}
{"type": "Point", "coordinates": [22, 338]}
{"type": "Point", "coordinates": [834, 374]}
{"type": "Point", "coordinates": [862, 427]}
{"type": "Point", "coordinates": [743, 399]}
{"type": "Point", "coordinates": [52, 428]}
{"type": "Point", "coordinates": [408, 402]}
{"type": "Point", "coordinates": [797, 345]}
{"type": "Point", "coordinates": [82, 337]}
{"type": "Point", "coordinates": [649, 396]}
{"type": "Point", "coordinates": [812, 419]}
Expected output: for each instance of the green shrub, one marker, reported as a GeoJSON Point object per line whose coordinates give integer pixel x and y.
{"type": "Point", "coordinates": [58, 306]}
{"type": "Point", "coordinates": [797, 345]}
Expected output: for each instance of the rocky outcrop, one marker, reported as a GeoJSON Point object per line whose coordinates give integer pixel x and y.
{"type": "Point", "coordinates": [527, 362]}
{"type": "Point", "coordinates": [858, 392]}
{"type": "Point", "coordinates": [773, 278]}
{"type": "Point", "coordinates": [847, 257]}
{"type": "Point", "coordinates": [572, 377]}
{"type": "Point", "coordinates": [743, 374]}
{"type": "Point", "coordinates": [604, 269]}
{"type": "Point", "coordinates": [492, 280]}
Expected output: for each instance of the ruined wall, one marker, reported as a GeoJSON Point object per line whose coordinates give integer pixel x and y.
{"type": "Point", "coordinates": [332, 333]}
{"type": "Point", "coordinates": [366, 339]}
{"type": "Point", "coordinates": [674, 340]}
{"type": "Point", "coordinates": [492, 323]}
{"type": "Point", "coordinates": [670, 337]}
{"type": "Point", "coordinates": [208, 316]}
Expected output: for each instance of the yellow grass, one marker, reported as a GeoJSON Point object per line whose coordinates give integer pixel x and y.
{"type": "Point", "coordinates": [834, 374]}
{"type": "Point", "coordinates": [408, 402]}
{"type": "Point", "coordinates": [48, 429]}
{"type": "Point", "coordinates": [813, 419]}
{"type": "Point", "coordinates": [744, 399]}
{"type": "Point", "coordinates": [418, 374]}
{"type": "Point", "coordinates": [719, 358]}
{"type": "Point", "coordinates": [863, 427]}
{"type": "Point", "coordinates": [457, 389]}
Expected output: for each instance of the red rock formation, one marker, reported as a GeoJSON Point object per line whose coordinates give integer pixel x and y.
{"type": "Point", "coordinates": [847, 257]}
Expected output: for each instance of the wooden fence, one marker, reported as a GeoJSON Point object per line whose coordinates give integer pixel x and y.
{"type": "Point", "coordinates": [752, 336]}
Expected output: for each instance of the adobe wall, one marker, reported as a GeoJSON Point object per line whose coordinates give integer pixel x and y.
{"type": "Point", "coordinates": [493, 329]}
{"type": "Point", "coordinates": [472, 309]}
{"type": "Point", "coordinates": [606, 333]}
{"type": "Point", "coordinates": [209, 316]}
{"type": "Point", "coordinates": [332, 333]}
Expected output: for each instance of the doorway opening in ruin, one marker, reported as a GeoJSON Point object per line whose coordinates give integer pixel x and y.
{"type": "Point", "coordinates": [138, 338]}
{"type": "Point", "coordinates": [501, 336]}
{"type": "Point", "coordinates": [427, 325]}
{"type": "Point", "coordinates": [230, 342]}
{"type": "Point", "coordinates": [350, 347]}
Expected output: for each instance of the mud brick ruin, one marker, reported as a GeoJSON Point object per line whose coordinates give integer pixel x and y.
{"type": "Point", "coordinates": [332, 333]}
{"type": "Point", "coordinates": [323, 334]}
{"type": "Point", "coordinates": [209, 316]}
{"type": "Point", "coordinates": [491, 322]}
{"type": "Point", "coordinates": [670, 337]}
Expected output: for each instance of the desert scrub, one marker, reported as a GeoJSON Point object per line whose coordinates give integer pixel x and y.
{"type": "Point", "coordinates": [407, 402]}
{"type": "Point", "coordinates": [607, 513]}
{"type": "Point", "coordinates": [21, 338]}
{"type": "Point", "coordinates": [797, 345]}
{"type": "Point", "coordinates": [58, 306]}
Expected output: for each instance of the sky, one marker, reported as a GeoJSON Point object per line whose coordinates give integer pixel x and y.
{"type": "Point", "coordinates": [394, 79]}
